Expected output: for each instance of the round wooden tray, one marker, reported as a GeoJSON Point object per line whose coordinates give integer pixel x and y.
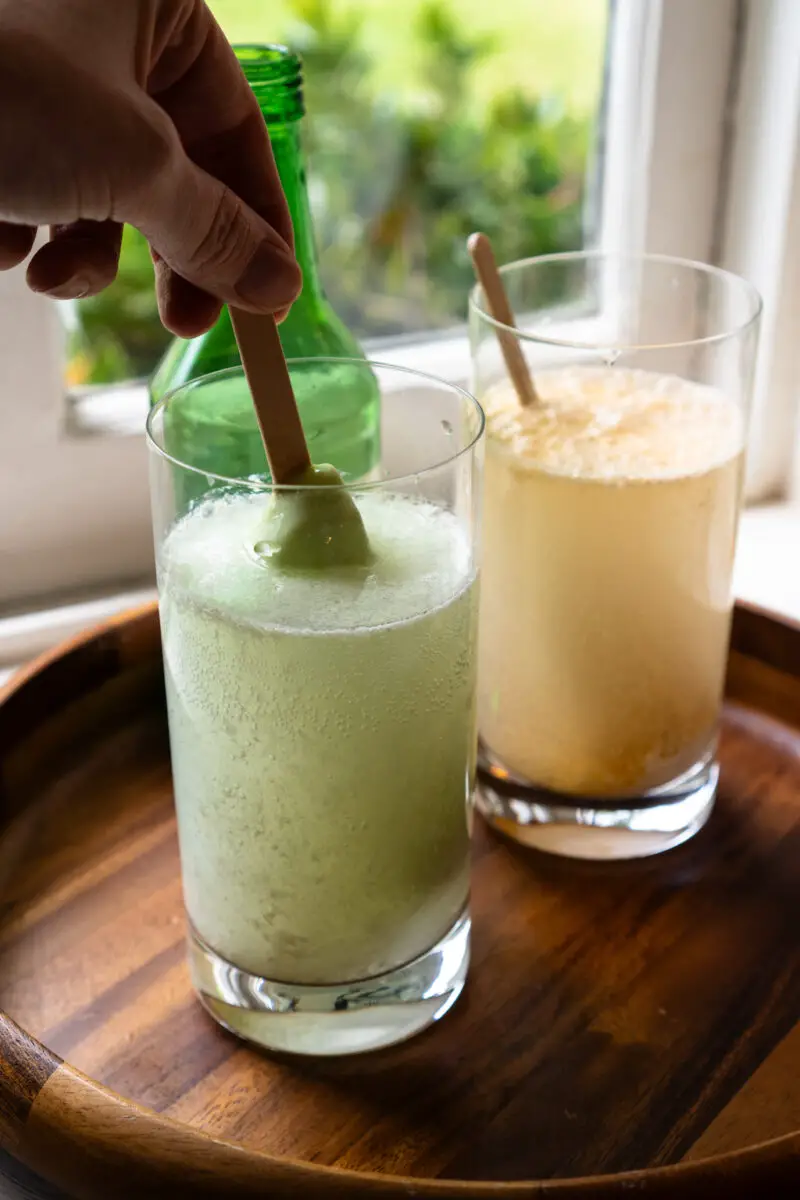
{"type": "Point", "coordinates": [627, 1028]}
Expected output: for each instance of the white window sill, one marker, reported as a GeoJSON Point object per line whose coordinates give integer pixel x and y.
{"type": "Point", "coordinates": [767, 571]}
{"type": "Point", "coordinates": [27, 634]}
{"type": "Point", "coordinates": [766, 575]}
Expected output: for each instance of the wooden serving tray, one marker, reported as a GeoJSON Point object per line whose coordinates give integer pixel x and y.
{"type": "Point", "coordinates": [628, 1029]}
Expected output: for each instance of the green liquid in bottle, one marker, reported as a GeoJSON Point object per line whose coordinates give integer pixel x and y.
{"type": "Point", "coordinates": [215, 427]}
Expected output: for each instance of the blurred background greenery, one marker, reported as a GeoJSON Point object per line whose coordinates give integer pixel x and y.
{"type": "Point", "coordinates": [427, 119]}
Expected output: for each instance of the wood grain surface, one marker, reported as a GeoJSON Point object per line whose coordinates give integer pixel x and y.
{"type": "Point", "coordinates": [618, 1016]}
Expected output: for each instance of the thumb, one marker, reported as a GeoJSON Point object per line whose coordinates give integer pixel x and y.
{"type": "Point", "coordinates": [205, 233]}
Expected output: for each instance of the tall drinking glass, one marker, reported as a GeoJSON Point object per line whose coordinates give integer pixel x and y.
{"type": "Point", "coordinates": [322, 726]}
{"type": "Point", "coordinates": [611, 510]}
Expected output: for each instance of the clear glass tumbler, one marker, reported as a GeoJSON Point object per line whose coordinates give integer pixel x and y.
{"type": "Point", "coordinates": [322, 728]}
{"type": "Point", "coordinates": [611, 510]}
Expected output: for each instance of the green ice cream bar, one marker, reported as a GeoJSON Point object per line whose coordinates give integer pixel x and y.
{"type": "Point", "coordinates": [315, 527]}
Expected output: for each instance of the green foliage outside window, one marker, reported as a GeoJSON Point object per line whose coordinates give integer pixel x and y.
{"type": "Point", "coordinates": [397, 182]}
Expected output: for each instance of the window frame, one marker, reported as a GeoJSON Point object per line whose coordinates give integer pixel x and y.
{"type": "Point", "coordinates": [677, 178]}
{"type": "Point", "coordinates": [759, 230]}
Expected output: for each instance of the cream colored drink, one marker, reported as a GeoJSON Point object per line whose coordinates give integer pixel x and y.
{"type": "Point", "coordinates": [322, 727]}
{"type": "Point", "coordinates": [609, 530]}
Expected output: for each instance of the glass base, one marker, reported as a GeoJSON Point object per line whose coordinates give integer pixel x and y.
{"type": "Point", "coordinates": [632, 827]}
{"type": "Point", "coordinates": [348, 1018]}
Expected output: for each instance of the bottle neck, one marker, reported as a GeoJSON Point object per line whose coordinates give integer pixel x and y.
{"type": "Point", "coordinates": [285, 138]}
{"type": "Point", "coordinates": [275, 75]}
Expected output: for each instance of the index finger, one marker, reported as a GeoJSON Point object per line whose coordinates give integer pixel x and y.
{"type": "Point", "coordinates": [200, 85]}
{"type": "Point", "coordinates": [16, 243]}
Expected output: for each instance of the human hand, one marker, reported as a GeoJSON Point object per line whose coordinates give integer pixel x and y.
{"type": "Point", "coordinates": [115, 111]}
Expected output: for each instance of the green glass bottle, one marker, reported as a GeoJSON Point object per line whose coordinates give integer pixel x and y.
{"type": "Point", "coordinates": [339, 406]}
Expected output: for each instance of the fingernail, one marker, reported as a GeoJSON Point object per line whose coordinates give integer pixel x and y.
{"type": "Point", "coordinates": [76, 288]}
{"type": "Point", "coordinates": [270, 278]}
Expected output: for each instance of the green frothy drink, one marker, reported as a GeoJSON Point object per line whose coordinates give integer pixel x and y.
{"type": "Point", "coordinates": [322, 728]}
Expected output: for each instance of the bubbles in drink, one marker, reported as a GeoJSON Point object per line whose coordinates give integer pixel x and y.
{"type": "Point", "coordinates": [609, 526]}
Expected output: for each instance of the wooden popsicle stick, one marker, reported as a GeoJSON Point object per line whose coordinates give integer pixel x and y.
{"type": "Point", "coordinates": [488, 276]}
{"type": "Point", "coordinates": [273, 396]}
